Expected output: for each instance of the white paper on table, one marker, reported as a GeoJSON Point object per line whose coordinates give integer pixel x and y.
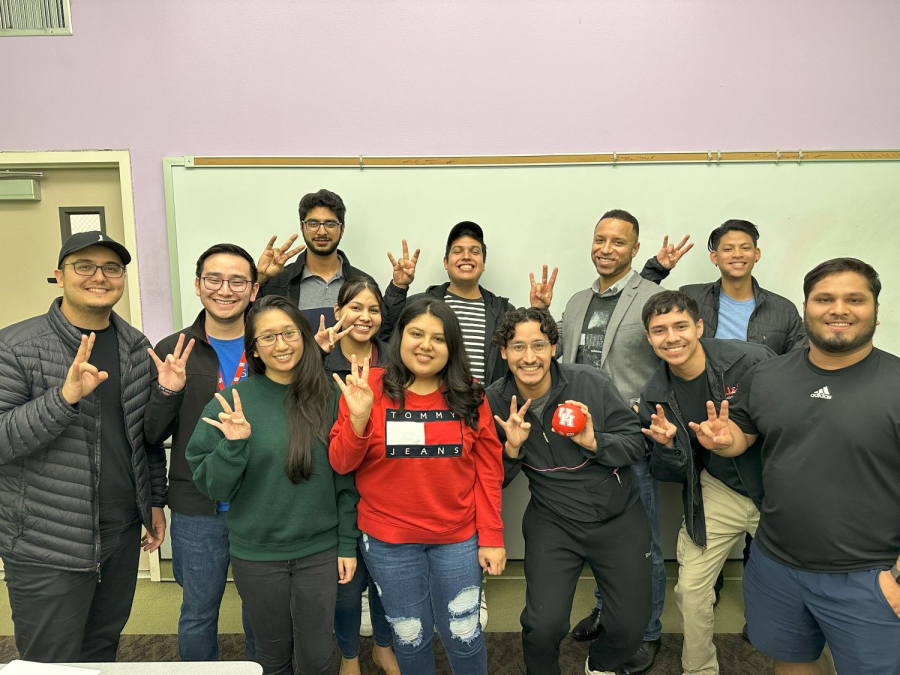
{"type": "Point", "coordinates": [31, 668]}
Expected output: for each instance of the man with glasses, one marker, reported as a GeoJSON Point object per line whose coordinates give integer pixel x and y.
{"type": "Point", "coordinates": [585, 505]}
{"type": "Point", "coordinates": [314, 279]}
{"type": "Point", "coordinates": [77, 476]}
{"type": "Point", "coordinates": [226, 284]}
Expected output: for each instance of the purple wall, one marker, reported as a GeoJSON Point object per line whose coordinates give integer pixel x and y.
{"type": "Point", "coordinates": [420, 77]}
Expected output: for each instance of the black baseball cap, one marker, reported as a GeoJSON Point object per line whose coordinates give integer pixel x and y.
{"type": "Point", "coordinates": [93, 238]}
{"type": "Point", "coordinates": [466, 227]}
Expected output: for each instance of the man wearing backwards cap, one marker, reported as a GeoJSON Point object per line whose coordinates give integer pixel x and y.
{"type": "Point", "coordinates": [479, 311]}
{"type": "Point", "coordinates": [76, 479]}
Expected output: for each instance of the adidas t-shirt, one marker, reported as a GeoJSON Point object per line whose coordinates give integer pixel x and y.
{"type": "Point", "coordinates": [831, 460]}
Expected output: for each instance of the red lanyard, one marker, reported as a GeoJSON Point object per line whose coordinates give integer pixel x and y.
{"type": "Point", "coordinates": [237, 373]}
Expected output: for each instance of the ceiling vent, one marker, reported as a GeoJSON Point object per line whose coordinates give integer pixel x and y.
{"type": "Point", "coordinates": [35, 17]}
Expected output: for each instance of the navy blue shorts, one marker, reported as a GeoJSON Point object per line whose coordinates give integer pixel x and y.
{"type": "Point", "coordinates": [791, 614]}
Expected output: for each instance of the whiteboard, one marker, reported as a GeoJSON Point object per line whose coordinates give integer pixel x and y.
{"type": "Point", "coordinates": [533, 215]}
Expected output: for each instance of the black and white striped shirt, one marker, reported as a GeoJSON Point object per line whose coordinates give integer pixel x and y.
{"type": "Point", "coordinates": [471, 316]}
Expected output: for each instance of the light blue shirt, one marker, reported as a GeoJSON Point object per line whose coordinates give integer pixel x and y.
{"type": "Point", "coordinates": [734, 316]}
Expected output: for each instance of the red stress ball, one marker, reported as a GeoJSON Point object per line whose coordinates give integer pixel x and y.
{"type": "Point", "coordinates": [568, 420]}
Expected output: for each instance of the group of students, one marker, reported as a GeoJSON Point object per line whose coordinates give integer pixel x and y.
{"type": "Point", "coordinates": [330, 441]}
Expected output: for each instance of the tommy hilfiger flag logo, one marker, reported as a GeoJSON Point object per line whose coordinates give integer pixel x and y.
{"type": "Point", "coordinates": [821, 393]}
{"type": "Point", "coordinates": [422, 433]}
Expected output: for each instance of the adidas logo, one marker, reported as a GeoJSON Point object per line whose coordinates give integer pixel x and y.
{"type": "Point", "coordinates": [822, 393]}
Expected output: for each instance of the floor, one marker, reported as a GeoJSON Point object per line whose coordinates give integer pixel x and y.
{"type": "Point", "coordinates": [156, 605]}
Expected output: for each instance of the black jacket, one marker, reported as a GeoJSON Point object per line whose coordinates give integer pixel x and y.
{"type": "Point", "coordinates": [571, 481]}
{"type": "Point", "coordinates": [178, 415]}
{"type": "Point", "coordinates": [287, 284]}
{"type": "Point", "coordinates": [726, 363]}
{"type": "Point", "coordinates": [495, 307]}
{"type": "Point", "coordinates": [774, 322]}
{"type": "Point", "coordinates": [50, 450]}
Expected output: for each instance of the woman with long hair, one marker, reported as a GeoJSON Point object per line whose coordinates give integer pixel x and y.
{"type": "Point", "coordinates": [421, 439]}
{"type": "Point", "coordinates": [359, 310]}
{"type": "Point", "coordinates": [261, 446]}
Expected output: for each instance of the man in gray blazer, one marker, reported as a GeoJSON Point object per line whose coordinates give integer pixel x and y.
{"type": "Point", "coordinates": [602, 327]}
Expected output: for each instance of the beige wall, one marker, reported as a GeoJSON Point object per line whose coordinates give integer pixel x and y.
{"type": "Point", "coordinates": [31, 236]}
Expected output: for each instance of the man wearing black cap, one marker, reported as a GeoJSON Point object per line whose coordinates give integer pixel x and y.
{"type": "Point", "coordinates": [479, 311]}
{"type": "Point", "coordinates": [76, 479]}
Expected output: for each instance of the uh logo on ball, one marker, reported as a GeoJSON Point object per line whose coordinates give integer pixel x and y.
{"type": "Point", "coordinates": [568, 420]}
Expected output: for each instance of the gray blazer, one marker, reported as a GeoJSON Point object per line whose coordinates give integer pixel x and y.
{"type": "Point", "coordinates": [627, 356]}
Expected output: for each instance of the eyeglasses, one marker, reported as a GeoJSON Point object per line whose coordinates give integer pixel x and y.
{"type": "Point", "coordinates": [314, 225]}
{"type": "Point", "coordinates": [538, 347]}
{"type": "Point", "coordinates": [86, 269]}
{"type": "Point", "coordinates": [215, 283]}
{"type": "Point", "coordinates": [290, 335]}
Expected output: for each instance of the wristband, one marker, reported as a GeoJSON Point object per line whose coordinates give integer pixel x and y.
{"type": "Point", "coordinates": [167, 391]}
{"type": "Point", "coordinates": [895, 572]}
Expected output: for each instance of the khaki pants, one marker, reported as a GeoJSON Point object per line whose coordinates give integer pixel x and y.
{"type": "Point", "coordinates": [728, 516]}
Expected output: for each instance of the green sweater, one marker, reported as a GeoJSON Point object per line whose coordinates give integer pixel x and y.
{"type": "Point", "coordinates": [270, 518]}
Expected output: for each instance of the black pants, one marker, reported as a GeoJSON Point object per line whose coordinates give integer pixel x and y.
{"type": "Point", "coordinates": [617, 551]}
{"type": "Point", "coordinates": [63, 616]}
{"type": "Point", "coordinates": [290, 604]}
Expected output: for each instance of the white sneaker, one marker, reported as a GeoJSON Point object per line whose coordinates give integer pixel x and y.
{"type": "Point", "coordinates": [365, 619]}
{"type": "Point", "coordinates": [588, 671]}
{"type": "Point", "coordinates": [483, 614]}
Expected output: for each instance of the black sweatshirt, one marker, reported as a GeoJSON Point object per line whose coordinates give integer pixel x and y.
{"type": "Point", "coordinates": [573, 482]}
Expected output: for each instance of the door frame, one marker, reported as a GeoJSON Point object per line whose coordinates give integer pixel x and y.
{"type": "Point", "coordinates": [94, 159]}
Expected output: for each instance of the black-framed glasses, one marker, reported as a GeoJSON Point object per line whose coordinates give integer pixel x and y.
{"type": "Point", "coordinates": [538, 347]}
{"type": "Point", "coordinates": [269, 339]}
{"type": "Point", "coordinates": [88, 269]}
{"type": "Point", "coordinates": [314, 225]}
{"type": "Point", "coordinates": [215, 283]}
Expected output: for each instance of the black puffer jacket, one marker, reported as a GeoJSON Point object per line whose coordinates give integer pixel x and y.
{"type": "Point", "coordinates": [50, 451]}
{"type": "Point", "coordinates": [775, 322]}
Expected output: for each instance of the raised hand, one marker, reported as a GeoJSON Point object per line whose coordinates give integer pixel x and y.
{"type": "Point", "coordinates": [232, 423]}
{"type": "Point", "coordinates": [326, 338]}
{"type": "Point", "coordinates": [715, 433]}
{"type": "Point", "coordinates": [171, 371]}
{"type": "Point", "coordinates": [515, 428]}
{"type": "Point", "coordinates": [661, 430]}
{"type": "Point", "coordinates": [357, 394]}
{"type": "Point", "coordinates": [272, 260]}
{"type": "Point", "coordinates": [585, 438]}
{"type": "Point", "coordinates": [670, 254]}
{"type": "Point", "coordinates": [82, 377]}
{"type": "Point", "coordinates": [542, 293]}
{"type": "Point", "coordinates": [405, 268]}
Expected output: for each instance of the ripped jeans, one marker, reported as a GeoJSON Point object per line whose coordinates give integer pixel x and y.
{"type": "Point", "coordinates": [425, 587]}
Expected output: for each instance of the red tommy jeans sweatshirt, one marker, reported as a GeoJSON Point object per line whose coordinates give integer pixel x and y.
{"type": "Point", "coordinates": [423, 475]}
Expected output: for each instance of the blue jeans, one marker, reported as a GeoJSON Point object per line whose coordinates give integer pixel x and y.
{"type": "Point", "coordinates": [650, 499]}
{"type": "Point", "coordinates": [428, 586]}
{"type": "Point", "coordinates": [200, 563]}
{"type": "Point", "coordinates": [348, 611]}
